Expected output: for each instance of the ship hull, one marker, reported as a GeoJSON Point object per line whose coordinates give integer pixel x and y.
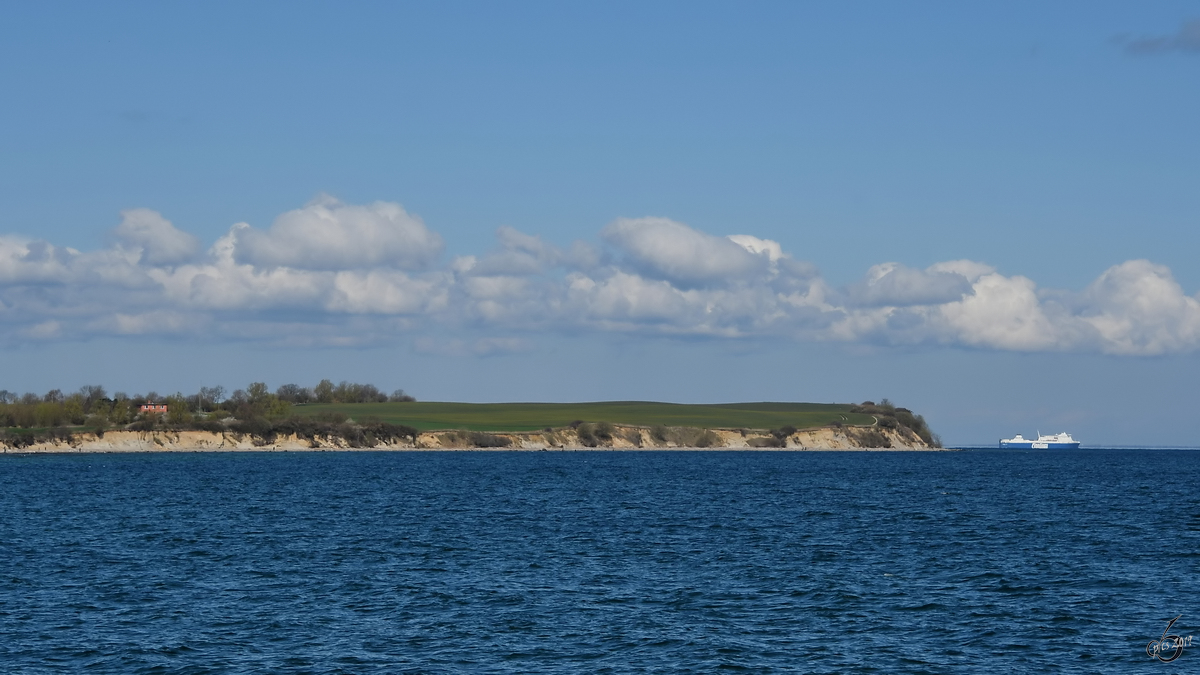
{"type": "Point", "coordinates": [1035, 445]}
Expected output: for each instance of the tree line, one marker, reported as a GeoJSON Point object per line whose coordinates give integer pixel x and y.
{"type": "Point", "coordinates": [91, 406]}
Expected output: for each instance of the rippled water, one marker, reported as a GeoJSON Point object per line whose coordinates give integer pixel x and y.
{"type": "Point", "coordinates": [605, 562]}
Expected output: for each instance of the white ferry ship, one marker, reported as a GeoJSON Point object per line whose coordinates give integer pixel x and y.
{"type": "Point", "coordinates": [1043, 442]}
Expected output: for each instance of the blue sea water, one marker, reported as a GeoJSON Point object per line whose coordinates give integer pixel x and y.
{"type": "Point", "coordinates": [598, 562]}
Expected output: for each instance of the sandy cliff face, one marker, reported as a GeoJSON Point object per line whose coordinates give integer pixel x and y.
{"type": "Point", "coordinates": [622, 438]}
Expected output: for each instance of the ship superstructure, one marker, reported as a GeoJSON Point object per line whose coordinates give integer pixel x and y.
{"type": "Point", "coordinates": [1060, 441]}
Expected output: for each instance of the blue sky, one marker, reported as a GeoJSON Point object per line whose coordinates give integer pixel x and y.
{"type": "Point", "coordinates": [987, 213]}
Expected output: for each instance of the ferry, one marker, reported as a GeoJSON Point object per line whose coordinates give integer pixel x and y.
{"type": "Point", "coordinates": [1043, 442]}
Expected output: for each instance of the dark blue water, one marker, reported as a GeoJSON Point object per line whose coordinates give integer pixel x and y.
{"type": "Point", "coordinates": [597, 562]}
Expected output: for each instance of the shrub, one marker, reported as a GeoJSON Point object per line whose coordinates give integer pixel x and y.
{"type": "Point", "coordinates": [587, 434]}
{"type": "Point", "coordinates": [208, 425]}
{"type": "Point", "coordinates": [871, 438]}
{"type": "Point", "coordinates": [767, 442]}
{"type": "Point", "coordinates": [474, 439]}
{"type": "Point", "coordinates": [147, 423]}
{"type": "Point", "coordinates": [482, 440]}
{"type": "Point", "coordinates": [692, 437]}
{"type": "Point", "coordinates": [783, 432]}
{"type": "Point", "coordinates": [258, 429]}
{"type": "Point", "coordinates": [604, 431]}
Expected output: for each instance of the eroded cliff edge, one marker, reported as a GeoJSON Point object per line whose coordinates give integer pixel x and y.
{"type": "Point", "coordinates": [612, 437]}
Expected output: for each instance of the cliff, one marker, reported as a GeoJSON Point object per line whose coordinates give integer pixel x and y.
{"type": "Point", "coordinates": [583, 437]}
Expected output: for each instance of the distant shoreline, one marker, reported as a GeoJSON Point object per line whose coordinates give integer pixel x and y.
{"type": "Point", "coordinates": [146, 451]}
{"type": "Point", "coordinates": [580, 437]}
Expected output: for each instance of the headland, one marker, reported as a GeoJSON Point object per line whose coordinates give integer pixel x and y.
{"type": "Point", "coordinates": [273, 424]}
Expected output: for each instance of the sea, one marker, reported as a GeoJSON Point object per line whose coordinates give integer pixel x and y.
{"type": "Point", "coordinates": [600, 562]}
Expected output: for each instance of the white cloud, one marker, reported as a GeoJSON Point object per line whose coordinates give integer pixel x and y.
{"type": "Point", "coordinates": [329, 235]}
{"type": "Point", "coordinates": [1137, 307]}
{"type": "Point", "coordinates": [148, 323]}
{"type": "Point", "coordinates": [518, 254]}
{"type": "Point", "coordinates": [1002, 313]}
{"type": "Point", "coordinates": [664, 249]}
{"type": "Point", "coordinates": [335, 274]}
{"type": "Point", "coordinates": [969, 269]}
{"type": "Point", "coordinates": [771, 249]}
{"type": "Point", "coordinates": [155, 237]}
{"type": "Point", "coordinates": [894, 285]}
{"type": "Point", "coordinates": [45, 330]}
{"type": "Point", "coordinates": [29, 261]}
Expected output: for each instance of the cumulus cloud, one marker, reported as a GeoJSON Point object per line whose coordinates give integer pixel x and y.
{"type": "Point", "coordinates": [893, 284]}
{"type": "Point", "coordinates": [157, 240]}
{"type": "Point", "coordinates": [1186, 39]}
{"type": "Point", "coordinates": [664, 249]}
{"type": "Point", "coordinates": [343, 275]}
{"type": "Point", "coordinates": [329, 235]}
{"type": "Point", "coordinates": [1137, 307]}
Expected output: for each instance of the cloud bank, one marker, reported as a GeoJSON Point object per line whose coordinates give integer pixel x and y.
{"type": "Point", "coordinates": [336, 274]}
{"type": "Point", "coordinates": [1186, 39]}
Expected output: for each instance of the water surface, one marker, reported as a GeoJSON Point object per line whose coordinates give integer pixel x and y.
{"type": "Point", "coordinates": [606, 562]}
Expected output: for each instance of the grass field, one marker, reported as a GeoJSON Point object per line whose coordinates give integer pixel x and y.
{"type": "Point", "coordinates": [428, 416]}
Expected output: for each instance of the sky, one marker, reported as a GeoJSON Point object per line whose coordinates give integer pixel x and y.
{"type": "Point", "coordinates": [988, 213]}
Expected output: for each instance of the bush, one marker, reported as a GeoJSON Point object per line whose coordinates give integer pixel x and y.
{"type": "Point", "coordinates": [767, 442]}
{"type": "Point", "coordinates": [605, 431]}
{"type": "Point", "coordinates": [475, 439]}
{"type": "Point", "coordinates": [587, 434]}
{"type": "Point", "coordinates": [147, 423]}
{"type": "Point", "coordinates": [871, 438]}
{"type": "Point", "coordinates": [208, 425]}
{"type": "Point", "coordinates": [783, 432]}
{"type": "Point", "coordinates": [482, 440]}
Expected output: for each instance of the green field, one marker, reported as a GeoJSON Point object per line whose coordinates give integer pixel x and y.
{"type": "Point", "coordinates": [428, 416]}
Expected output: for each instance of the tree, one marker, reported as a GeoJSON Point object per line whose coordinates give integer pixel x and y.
{"type": "Point", "coordinates": [211, 396]}
{"type": "Point", "coordinates": [294, 393]}
{"type": "Point", "coordinates": [177, 410]}
{"type": "Point", "coordinates": [73, 409]}
{"type": "Point", "coordinates": [257, 393]}
{"type": "Point", "coordinates": [48, 414]}
{"type": "Point", "coordinates": [323, 391]}
{"type": "Point", "coordinates": [399, 396]}
{"type": "Point", "coordinates": [91, 393]}
{"type": "Point", "coordinates": [122, 411]}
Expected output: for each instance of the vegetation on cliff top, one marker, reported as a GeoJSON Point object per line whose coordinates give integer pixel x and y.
{"type": "Point", "coordinates": [254, 411]}
{"type": "Point", "coordinates": [362, 416]}
{"type": "Point", "coordinates": [430, 416]}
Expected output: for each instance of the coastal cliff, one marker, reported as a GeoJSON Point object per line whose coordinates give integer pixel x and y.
{"type": "Point", "coordinates": [585, 437]}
